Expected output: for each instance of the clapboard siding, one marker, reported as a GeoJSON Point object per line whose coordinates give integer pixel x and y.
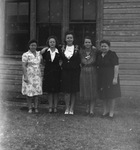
{"type": "Point", "coordinates": [11, 78]}
{"type": "Point", "coordinates": [122, 16]}
{"type": "Point", "coordinates": [129, 61]}
{"type": "Point", "coordinates": [130, 77]}
{"type": "Point", "coordinates": [126, 44]}
{"type": "Point", "coordinates": [122, 5]}
{"type": "Point", "coordinates": [122, 33]}
{"type": "Point", "coordinates": [125, 49]}
{"type": "Point", "coordinates": [121, 25]}
{"type": "Point", "coordinates": [122, 1]}
{"type": "Point", "coordinates": [122, 38]}
{"type": "Point", "coordinates": [122, 11]}
{"type": "Point", "coordinates": [119, 22]}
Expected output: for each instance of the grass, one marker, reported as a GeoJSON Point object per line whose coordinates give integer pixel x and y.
{"type": "Point", "coordinates": [22, 131]}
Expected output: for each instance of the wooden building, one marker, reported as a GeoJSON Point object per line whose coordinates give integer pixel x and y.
{"type": "Point", "coordinates": [115, 20]}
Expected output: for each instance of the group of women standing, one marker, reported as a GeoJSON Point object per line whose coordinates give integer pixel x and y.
{"type": "Point", "coordinates": [69, 70]}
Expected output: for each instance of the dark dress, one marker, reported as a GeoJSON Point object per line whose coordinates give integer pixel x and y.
{"type": "Point", "coordinates": [105, 67]}
{"type": "Point", "coordinates": [71, 73]}
{"type": "Point", "coordinates": [52, 72]}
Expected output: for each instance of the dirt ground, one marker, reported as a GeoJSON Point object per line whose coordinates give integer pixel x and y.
{"type": "Point", "coordinates": [22, 131]}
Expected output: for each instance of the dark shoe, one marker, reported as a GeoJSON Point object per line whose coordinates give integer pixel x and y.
{"type": "Point", "coordinates": [30, 111]}
{"type": "Point", "coordinates": [50, 110]}
{"type": "Point", "coordinates": [111, 117]}
{"type": "Point", "coordinates": [105, 115]}
{"type": "Point", "coordinates": [55, 110]}
{"type": "Point", "coordinates": [91, 114]}
{"type": "Point", "coordinates": [36, 110]}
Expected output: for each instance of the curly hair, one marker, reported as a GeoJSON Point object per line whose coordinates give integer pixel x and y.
{"type": "Point", "coordinates": [52, 37]}
{"type": "Point", "coordinates": [105, 41]}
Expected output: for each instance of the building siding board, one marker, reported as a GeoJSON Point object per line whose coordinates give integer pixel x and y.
{"type": "Point", "coordinates": [122, 1]}
{"type": "Point", "coordinates": [122, 22]}
{"type": "Point", "coordinates": [133, 10]}
{"type": "Point", "coordinates": [121, 25]}
{"type": "Point", "coordinates": [122, 5]}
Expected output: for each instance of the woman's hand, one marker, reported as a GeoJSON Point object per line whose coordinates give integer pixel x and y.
{"type": "Point", "coordinates": [115, 81]}
{"type": "Point", "coordinates": [60, 62]}
{"type": "Point", "coordinates": [87, 57]}
{"type": "Point", "coordinates": [26, 79]}
{"type": "Point", "coordinates": [116, 71]}
{"type": "Point", "coordinates": [43, 50]}
{"type": "Point", "coordinates": [93, 47]}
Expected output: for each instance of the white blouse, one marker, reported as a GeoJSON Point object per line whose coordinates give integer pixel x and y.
{"type": "Point", "coordinates": [53, 53]}
{"type": "Point", "coordinates": [69, 51]}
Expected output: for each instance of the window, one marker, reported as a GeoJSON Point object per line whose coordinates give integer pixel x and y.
{"type": "Point", "coordinates": [83, 19]}
{"type": "Point", "coordinates": [49, 17]}
{"type": "Point", "coordinates": [17, 26]}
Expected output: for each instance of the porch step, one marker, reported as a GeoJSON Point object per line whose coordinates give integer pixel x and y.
{"type": "Point", "coordinates": [10, 78]}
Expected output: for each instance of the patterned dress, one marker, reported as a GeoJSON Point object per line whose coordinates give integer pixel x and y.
{"type": "Point", "coordinates": [88, 77]}
{"type": "Point", "coordinates": [34, 87]}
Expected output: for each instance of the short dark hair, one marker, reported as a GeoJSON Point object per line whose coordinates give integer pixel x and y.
{"type": "Point", "coordinates": [67, 33]}
{"type": "Point", "coordinates": [52, 37]}
{"type": "Point", "coordinates": [105, 41]}
{"type": "Point", "coordinates": [88, 37]}
{"type": "Point", "coordinates": [32, 41]}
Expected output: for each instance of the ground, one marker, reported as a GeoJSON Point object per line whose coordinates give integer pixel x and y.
{"type": "Point", "coordinates": [22, 131]}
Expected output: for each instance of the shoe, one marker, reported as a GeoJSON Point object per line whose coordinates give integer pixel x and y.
{"type": "Point", "coordinates": [91, 114]}
{"type": "Point", "coordinates": [111, 116]}
{"type": "Point", "coordinates": [50, 110]}
{"type": "Point", "coordinates": [30, 111]}
{"type": "Point", "coordinates": [36, 110]}
{"type": "Point", "coordinates": [105, 115]}
{"type": "Point", "coordinates": [66, 112]}
{"type": "Point", "coordinates": [55, 110]}
{"type": "Point", "coordinates": [71, 112]}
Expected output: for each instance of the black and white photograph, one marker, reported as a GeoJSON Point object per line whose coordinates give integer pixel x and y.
{"type": "Point", "coordinates": [69, 74]}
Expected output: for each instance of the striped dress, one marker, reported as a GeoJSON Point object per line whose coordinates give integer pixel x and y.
{"type": "Point", "coordinates": [88, 77]}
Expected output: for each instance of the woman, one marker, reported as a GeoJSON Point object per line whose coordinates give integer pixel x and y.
{"type": "Point", "coordinates": [32, 80]}
{"type": "Point", "coordinates": [88, 78]}
{"type": "Point", "coordinates": [108, 73]}
{"type": "Point", "coordinates": [52, 70]}
{"type": "Point", "coordinates": [70, 72]}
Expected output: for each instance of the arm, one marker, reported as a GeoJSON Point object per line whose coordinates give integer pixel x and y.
{"type": "Point", "coordinates": [24, 68]}
{"type": "Point", "coordinates": [41, 62]}
{"type": "Point", "coordinates": [43, 50]}
{"type": "Point", "coordinates": [116, 72]}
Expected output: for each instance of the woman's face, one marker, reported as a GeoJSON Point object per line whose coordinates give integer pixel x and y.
{"type": "Point", "coordinates": [104, 47]}
{"type": "Point", "coordinates": [33, 47]}
{"type": "Point", "coordinates": [87, 43]}
{"type": "Point", "coordinates": [52, 42]}
{"type": "Point", "coordinates": [69, 39]}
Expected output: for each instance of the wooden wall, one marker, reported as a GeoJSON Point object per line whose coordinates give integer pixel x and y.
{"type": "Point", "coordinates": [121, 25]}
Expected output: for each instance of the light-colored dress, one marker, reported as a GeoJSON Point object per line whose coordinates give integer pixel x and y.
{"type": "Point", "coordinates": [34, 87]}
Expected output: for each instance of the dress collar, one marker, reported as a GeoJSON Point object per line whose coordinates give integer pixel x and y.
{"type": "Point", "coordinates": [55, 51]}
